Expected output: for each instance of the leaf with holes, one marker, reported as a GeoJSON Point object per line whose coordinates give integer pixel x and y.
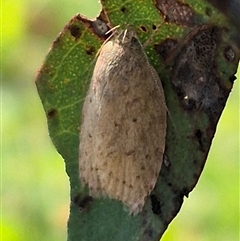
{"type": "Point", "coordinates": [195, 51]}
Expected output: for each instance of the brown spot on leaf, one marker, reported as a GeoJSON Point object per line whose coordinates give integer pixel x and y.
{"type": "Point", "coordinates": [123, 9]}
{"type": "Point", "coordinates": [90, 50]}
{"type": "Point", "coordinates": [194, 74]}
{"type": "Point", "coordinates": [82, 202]}
{"type": "Point", "coordinates": [176, 12]}
{"type": "Point", "coordinates": [164, 48]}
{"type": "Point", "coordinates": [75, 31]}
{"type": "Point", "coordinates": [156, 205]}
{"type": "Point", "coordinates": [51, 113]}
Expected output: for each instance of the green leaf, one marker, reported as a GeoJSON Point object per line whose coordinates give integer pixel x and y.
{"type": "Point", "coordinates": [193, 48]}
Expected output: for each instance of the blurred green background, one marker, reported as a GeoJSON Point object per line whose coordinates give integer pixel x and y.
{"type": "Point", "coordinates": [35, 188]}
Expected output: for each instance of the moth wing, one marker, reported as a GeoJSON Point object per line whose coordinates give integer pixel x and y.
{"type": "Point", "coordinates": [130, 136]}
{"type": "Point", "coordinates": [87, 171]}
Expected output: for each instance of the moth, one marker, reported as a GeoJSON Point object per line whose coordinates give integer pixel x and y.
{"type": "Point", "coordinates": [122, 137]}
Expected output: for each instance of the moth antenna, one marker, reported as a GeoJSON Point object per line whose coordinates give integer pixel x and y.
{"type": "Point", "coordinates": [110, 30]}
{"type": "Point", "coordinates": [124, 35]}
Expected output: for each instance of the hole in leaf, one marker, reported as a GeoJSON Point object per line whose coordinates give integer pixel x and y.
{"type": "Point", "coordinates": [75, 31]}
{"type": "Point", "coordinates": [51, 113]}
{"type": "Point", "coordinates": [90, 50]}
{"type": "Point", "coordinates": [143, 28]}
{"type": "Point", "coordinates": [82, 202]}
{"type": "Point", "coordinates": [123, 9]}
{"type": "Point", "coordinates": [156, 206]}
